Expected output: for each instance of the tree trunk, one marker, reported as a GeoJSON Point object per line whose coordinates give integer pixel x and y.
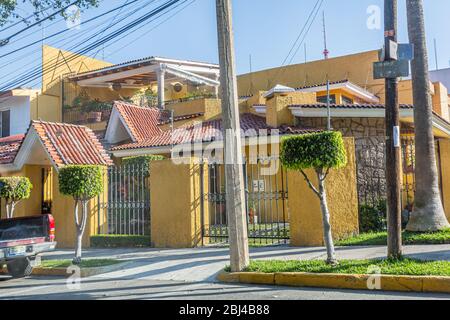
{"type": "Point", "coordinates": [428, 213]}
{"type": "Point", "coordinates": [10, 207]}
{"type": "Point", "coordinates": [327, 234]}
{"type": "Point", "coordinates": [80, 227]}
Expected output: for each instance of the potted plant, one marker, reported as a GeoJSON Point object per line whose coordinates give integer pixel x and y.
{"type": "Point", "coordinates": [94, 111]}
{"type": "Point", "coordinates": [253, 218]}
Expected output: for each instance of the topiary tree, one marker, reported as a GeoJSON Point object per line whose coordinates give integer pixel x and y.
{"type": "Point", "coordinates": [321, 152]}
{"type": "Point", "coordinates": [13, 190]}
{"type": "Point", "coordinates": [142, 161]}
{"type": "Point", "coordinates": [83, 183]}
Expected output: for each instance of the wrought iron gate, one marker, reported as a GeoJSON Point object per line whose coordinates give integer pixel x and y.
{"type": "Point", "coordinates": [125, 210]}
{"type": "Point", "coordinates": [266, 200]}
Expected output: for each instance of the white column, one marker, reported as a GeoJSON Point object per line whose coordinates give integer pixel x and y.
{"type": "Point", "coordinates": [216, 88]}
{"type": "Point", "coordinates": [161, 75]}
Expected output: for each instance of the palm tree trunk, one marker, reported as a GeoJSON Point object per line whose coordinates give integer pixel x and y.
{"type": "Point", "coordinates": [428, 213]}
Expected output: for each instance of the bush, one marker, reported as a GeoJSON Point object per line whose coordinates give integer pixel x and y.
{"type": "Point", "coordinates": [15, 188]}
{"type": "Point", "coordinates": [120, 241]}
{"type": "Point", "coordinates": [315, 150]}
{"type": "Point", "coordinates": [81, 182]}
{"type": "Point", "coordinates": [372, 218]}
{"type": "Point", "coordinates": [142, 161]}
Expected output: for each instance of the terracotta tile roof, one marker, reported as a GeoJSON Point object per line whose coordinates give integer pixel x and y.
{"type": "Point", "coordinates": [322, 84]}
{"type": "Point", "coordinates": [142, 122]}
{"type": "Point", "coordinates": [348, 106]}
{"type": "Point", "coordinates": [208, 132]}
{"type": "Point", "coordinates": [164, 117]}
{"type": "Point", "coordinates": [9, 147]}
{"type": "Point", "coordinates": [70, 144]}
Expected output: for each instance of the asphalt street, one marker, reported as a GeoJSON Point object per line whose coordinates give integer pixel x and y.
{"type": "Point", "coordinates": [50, 288]}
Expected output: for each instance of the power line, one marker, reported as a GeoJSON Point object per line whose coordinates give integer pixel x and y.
{"type": "Point", "coordinates": [66, 30]}
{"type": "Point", "coordinates": [301, 32]}
{"type": "Point", "coordinates": [24, 20]}
{"type": "Point", "coordinates": [37, 73]}
{"type": "Point", "coordinates": [6, 40]}
{"type": "Point", "coordinates": [129, 14]}
{"type": "Point", "coordinates": [156, 26]}
{"type": "Point", "coordinates": [308, 24]}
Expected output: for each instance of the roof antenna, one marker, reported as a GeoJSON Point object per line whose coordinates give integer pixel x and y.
{"type": "Point", "coordinates": [436, 54]}
{"type": "Point", "coordinates": [325, 51]}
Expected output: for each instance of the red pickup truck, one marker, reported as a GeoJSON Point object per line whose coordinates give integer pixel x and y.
{"type": "Point", "coordinates": [22, 240]}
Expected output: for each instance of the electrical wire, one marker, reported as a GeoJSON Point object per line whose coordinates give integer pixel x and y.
{"type": "Point", "coordinates": [65, 30]}
{"type": "Point", "coordinates": [301, 33]}
{"type": "Point", "coordinates": [74, 37]}
{"type": "Point", "coordinates": [308, 24]}
{"type": "Point", "coordinates": [23, 20]}
{"type": "Point", "coordinates": [150, 30]}
{"type": "Point", "coordinates": [38, 71]}
{"type": "Point", "coordinates": [7, 39]}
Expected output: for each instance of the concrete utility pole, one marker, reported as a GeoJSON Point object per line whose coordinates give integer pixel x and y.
{"type": "Point", "coordinates": [234, 172]}
{"type": "Point", "coordinates": [393, 143]}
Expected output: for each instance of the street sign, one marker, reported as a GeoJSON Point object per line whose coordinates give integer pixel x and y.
{"type": "Point", "coordinates": [401, 51]}
{"type": "Point", "coordinates": [391, 51]}
{"type": "Point", "coordinates": [391, 69]}
{"type": "Point", "coordinates": [406, 51]}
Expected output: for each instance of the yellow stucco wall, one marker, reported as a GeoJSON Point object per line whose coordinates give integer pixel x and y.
{"type": "Point", "coordinates": [304, 206]}
{"type": "Point", "coordinates": [175, 198]}
{"type": "Point", "coordinates": [278, 112]}
{"type": "Point", "coordinates": [444, 146]}
{"type": "Point", "coordinates": [46, 107]}
{"type": "Point", "coordinates": [62, 208]}
{"type": "Point", "coordinates": [358, 68]}
{"type": "Point", "coordinates": [57, 63]}
{"type": "Point", "coordinates": [31, 206]}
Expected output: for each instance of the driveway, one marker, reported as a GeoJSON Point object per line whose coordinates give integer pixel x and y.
{"type": "Point", "coordinates": [203, 264]}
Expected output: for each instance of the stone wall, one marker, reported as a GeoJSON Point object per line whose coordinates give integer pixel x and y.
{"type": "Point", "coordinates": [369, 134]}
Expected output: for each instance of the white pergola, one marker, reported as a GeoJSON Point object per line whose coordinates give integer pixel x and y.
{"type": "Point", "coordinates": [141, 73]}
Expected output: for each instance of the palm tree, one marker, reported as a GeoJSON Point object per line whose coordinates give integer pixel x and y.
{"type": "Point", "coordinates": [428, 213]}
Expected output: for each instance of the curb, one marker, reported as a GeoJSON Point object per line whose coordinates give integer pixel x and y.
{"type": "Point", "coordinates": [425, 284]}
{"type": "Point", "coordinates": [68, 272]}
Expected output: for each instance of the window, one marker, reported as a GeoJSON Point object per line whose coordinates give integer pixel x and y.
{"type": "Point", "coordinates": [323, 99]}
{"type": "Point", "coordinates": [347, 100]}
{"type": "Point", "coordinates": [5, 117]}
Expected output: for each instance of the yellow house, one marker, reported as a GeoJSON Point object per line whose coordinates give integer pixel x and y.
{"type": "Point", "coordinates": [173, 106]}
{"type": "Point", "coordinates": [38, 155]}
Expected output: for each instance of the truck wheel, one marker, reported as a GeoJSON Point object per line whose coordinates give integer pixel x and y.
{"type": "Point", "coordinates": [20, 268]}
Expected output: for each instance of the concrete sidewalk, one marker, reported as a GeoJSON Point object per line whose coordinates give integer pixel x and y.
{"type": "Point", "coordinates": [203, 264]}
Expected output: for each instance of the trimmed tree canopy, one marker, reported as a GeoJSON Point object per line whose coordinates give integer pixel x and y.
{"type": "Point", "coordinates": [81, 182]}
{"type": "Point", "coordinates": [315, 150]}
{"type": "Point", "coordinates": [142, 161]}
{"type": "Point", "coordinates": [15, 188]}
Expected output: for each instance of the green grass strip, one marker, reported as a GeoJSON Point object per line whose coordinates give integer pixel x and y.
{"type": "Point", "coordinates": [409, 238]}
{"type": "Point", "coordinates": [88, 263]}
{"type": "Point", "coordinates": [405, 266]}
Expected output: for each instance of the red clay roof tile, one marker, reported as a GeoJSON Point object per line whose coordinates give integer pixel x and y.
{"type": "Point", "coordinates": [142, 122]}
{"type": "Point", "coordinates": [70, 144]}
{"type": "Point", "coordinates": [9, 147]}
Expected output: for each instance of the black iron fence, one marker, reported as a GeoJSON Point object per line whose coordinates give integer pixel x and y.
{"type": "Point", "coordinates": [266, 200]}
{"type": "Point", "coordinates": [125, 209]}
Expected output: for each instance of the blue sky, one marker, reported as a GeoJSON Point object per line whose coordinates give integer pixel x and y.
{"type": "Point", "coordinates": [264, 29]}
